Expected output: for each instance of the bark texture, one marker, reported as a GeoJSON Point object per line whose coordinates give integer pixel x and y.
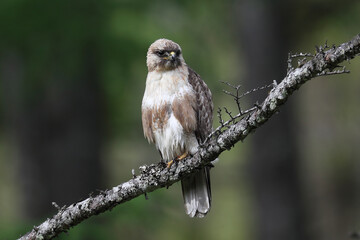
{"type": "Point", "coordinates": [157, 176]}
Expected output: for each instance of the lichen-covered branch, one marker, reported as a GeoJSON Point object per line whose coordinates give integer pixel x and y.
{"type": "Point", "coordinates": [157, 176]}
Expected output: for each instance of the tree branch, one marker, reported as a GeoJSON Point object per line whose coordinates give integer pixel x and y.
{"type": "Point", "coordinates": [157, 176]}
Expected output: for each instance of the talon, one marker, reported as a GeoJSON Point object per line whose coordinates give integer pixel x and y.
{"type": "Point", "coordinates": [169, 164]}
{"type": "Point", "coordinates": [179, 158]}
{"type": "Point", "coordinates": [184, 155]}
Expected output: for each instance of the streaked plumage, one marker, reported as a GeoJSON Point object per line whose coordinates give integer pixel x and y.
{"type": "Point", "coordinates": [177, 115]}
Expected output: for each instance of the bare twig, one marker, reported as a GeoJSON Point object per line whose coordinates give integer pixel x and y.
{"type": "Point", "coordinates": [227, 123]}
{"type": "Point", "coordinates": [221, 121]}
{"type": "Point", "coordinates": [326, 73]}
{"type": "Point", "coordinates": [296, 55]}
{"type": "Point", "coordinates": [236, 95]}
{"type": "Point", "coordinates": [300, 62]}
{"type": "Point", "coordinates": [157, 176]}
{"type": "Point", "coordinates": [229, 113]}
{"type": "Point", "coordinates": [289, 63]}
{"type": "Point", "coordinates": [257, 89]}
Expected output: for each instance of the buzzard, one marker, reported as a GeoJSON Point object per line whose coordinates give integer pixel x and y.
{"type": "Point", "coordinates": [177, 114]}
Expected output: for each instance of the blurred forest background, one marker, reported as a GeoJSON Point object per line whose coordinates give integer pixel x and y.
{"type": "Point", "coordinates": [72, 79]}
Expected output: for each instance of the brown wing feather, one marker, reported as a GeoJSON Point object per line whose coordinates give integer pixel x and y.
{"type": "Point", "coordinates": [184, 110]}
{"type": "Point", "coordinates": [204, 105]}
{"type": "Point", "coordinates": [147, 118]}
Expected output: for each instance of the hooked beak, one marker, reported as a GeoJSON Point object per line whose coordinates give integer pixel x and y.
{"type": "Point", "coordinates": [171, 56]}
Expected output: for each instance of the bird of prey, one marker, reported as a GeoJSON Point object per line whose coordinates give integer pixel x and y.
{"type": "Point", "coordinates": [177, 114]}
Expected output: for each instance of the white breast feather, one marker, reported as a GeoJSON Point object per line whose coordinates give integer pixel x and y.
{"type": "Point", "coordinates": [163, 88]}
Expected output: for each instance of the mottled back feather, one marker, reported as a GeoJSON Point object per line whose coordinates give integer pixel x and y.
{"type": "Point", "coordinates": [204, 105]}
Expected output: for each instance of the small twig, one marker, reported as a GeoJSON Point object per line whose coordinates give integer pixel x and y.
{"type": "Point", "coordinates": [274, 84]}
{"type": "Point", "coordinates": [296, 55]}
{"type": "Point", "coordinates": [327, 73]}
{"type": "Point", "coordinates": [300, 62]}
{"type": "Point", "coordinates": [326, 45]}
{"type": "Point", "coordinates": [229, 93]}
{"type": "Point", "coordinates": [229, 113]}
{"type": "Point", "coordinates": [230, 85]}
{"type": "Point", "coordinates": [235, 96]}
{"type": "Point", "coordinates": [257, 89]}
{"type": "Point", "coordinates": [224, 124]}
{"type": "Point", "coordinates": [289, 63]}
{"type": "Point", "coordinates": [257, 105]}
{"type": "Point", "coordinates": [56, 206]}
{"type": "Point", "coordinates": [221, 121]}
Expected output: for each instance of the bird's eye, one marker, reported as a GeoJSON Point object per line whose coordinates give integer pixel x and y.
{"type": "Point", "coordinates": [160, 52]}
{"type": "Point", "coordinates": [178, 52]}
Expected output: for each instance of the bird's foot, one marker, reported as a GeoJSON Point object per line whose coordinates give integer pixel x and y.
{"type": "Point", "coordinates": [168, 165]}
{"type": "Point", "coordinates": [184, 155]}
{"type": "Point", "coordinates": [179, 158]}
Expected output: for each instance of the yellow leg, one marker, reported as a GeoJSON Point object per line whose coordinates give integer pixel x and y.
{"type": "Point", "coordinates": [170, 163]}
{"type": "Point", "coordinates": [179, 158]}
{"type": "Point", "coordinates": [184, 155]}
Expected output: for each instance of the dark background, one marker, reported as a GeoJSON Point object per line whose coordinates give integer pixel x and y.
{"type": "Point", "coordinates": [72, 78]}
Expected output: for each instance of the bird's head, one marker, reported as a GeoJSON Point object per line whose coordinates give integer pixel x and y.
{"type": "Point", "coordinates": [164, 55]}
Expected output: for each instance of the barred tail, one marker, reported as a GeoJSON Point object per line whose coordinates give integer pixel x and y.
{"type": "Point", "coordinates": [197, 193]}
